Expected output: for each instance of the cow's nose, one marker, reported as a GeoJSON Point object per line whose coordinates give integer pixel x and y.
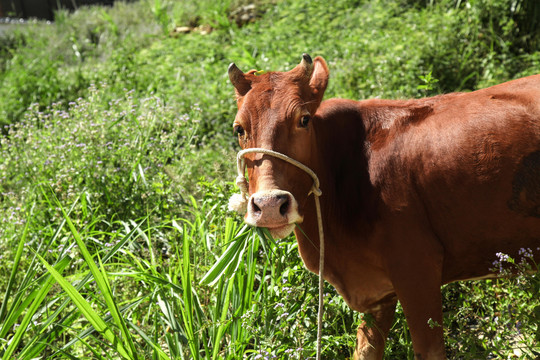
{"type": "Point", "coordinates": [270, 204]}
{"type": "Point", "coordinates": [270, 208]}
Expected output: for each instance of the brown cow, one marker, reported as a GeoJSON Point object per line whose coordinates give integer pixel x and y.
{"type": "Point", "coordinates": [416, 193]}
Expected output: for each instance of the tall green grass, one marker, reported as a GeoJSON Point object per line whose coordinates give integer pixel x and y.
{"type": "Point", "coordinates": [120, 304]}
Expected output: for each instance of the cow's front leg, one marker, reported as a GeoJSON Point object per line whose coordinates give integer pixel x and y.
{"type": "Point", "coordinates": [424, 317]}
{"type": "Point", "coordinates": [372, 334]}
{"type": "Point", "coordinates": [419, 293]}
{"type": "Point", "coordinates": [415, 269]}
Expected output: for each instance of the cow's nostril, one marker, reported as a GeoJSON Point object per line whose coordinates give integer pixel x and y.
{"type": "Point", "coordinates": [284, 208]}
{"type": "Point", "coordinates": [254, 207]}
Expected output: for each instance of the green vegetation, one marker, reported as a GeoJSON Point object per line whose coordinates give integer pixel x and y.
{"type": "Point", "coordinates": [116, 162]}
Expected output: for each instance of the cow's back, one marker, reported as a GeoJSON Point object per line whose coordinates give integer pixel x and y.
{"type": "Point", "coordinates": [472, 161]}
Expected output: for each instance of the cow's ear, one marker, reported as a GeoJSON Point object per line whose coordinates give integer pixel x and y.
{"type": "Point", "coordinates": [319, 79]}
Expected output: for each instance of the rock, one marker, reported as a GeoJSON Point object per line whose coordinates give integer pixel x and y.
{"type": "Point", "coordinates": [244, 14]}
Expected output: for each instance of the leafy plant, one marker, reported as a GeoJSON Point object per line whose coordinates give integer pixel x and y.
{"type": "Point", "coordinates": [428, 82]}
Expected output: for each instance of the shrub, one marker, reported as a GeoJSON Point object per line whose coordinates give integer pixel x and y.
{"type": "Point", "coordinates": [126, 155]}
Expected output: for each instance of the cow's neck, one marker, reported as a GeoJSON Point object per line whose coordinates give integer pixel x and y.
{"type": "Point", "coordinates": [341, 165]}
{"type": "Point", "coordinates": [348, 132]}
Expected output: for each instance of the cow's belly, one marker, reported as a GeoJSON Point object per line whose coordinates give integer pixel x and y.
{"type": "Point", "coordinates": [478, 227]}
{"type": "Point", "coordinates": [480, 258]}
{"type": "Point", "coordinates": [484, 205]}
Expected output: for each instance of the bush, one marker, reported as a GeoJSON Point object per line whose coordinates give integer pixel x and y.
{"type": "Point", "coordinates": [126, 155]}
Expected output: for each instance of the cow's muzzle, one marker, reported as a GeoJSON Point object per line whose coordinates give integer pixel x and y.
{"type": "Point", "coordinates": [276, 210]}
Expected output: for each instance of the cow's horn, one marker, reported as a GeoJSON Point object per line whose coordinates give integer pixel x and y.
{"type": "Point", "coordinates": [235, 74]}
{"type": "Point", "coordinates": [238, 79]}
{"type": "Point", "coordinates": [307, 65]}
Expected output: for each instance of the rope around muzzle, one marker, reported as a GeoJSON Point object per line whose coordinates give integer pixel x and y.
{"type": "Point", "coordinates": [238, 203]}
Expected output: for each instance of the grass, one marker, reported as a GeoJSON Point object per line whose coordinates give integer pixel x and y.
{"type": "Point", "coordinates": [117, 160]}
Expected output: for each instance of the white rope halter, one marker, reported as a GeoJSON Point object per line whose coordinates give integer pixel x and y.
{"type": "Point", "coordinates": [238, 203]}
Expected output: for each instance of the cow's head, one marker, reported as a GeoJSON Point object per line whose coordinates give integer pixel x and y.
{"type": "Point", "coordinates": [276, 112]}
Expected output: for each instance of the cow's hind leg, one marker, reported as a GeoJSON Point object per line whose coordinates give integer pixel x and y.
{"type": "Point", "coordinates": [372, 334]}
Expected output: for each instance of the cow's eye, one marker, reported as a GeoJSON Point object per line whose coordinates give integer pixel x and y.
{"type": "Point", "coordinates": [304, 121]}
{"type": "Point", "coordinates": [239, 130]}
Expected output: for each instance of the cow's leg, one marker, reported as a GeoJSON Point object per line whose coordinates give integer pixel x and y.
{"type": "Point", "coordinates": [415, 264]}
{"type": "Point", "coordinates": [372, 335]}
{"type": "Point", "coordinates": [420, 297]}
